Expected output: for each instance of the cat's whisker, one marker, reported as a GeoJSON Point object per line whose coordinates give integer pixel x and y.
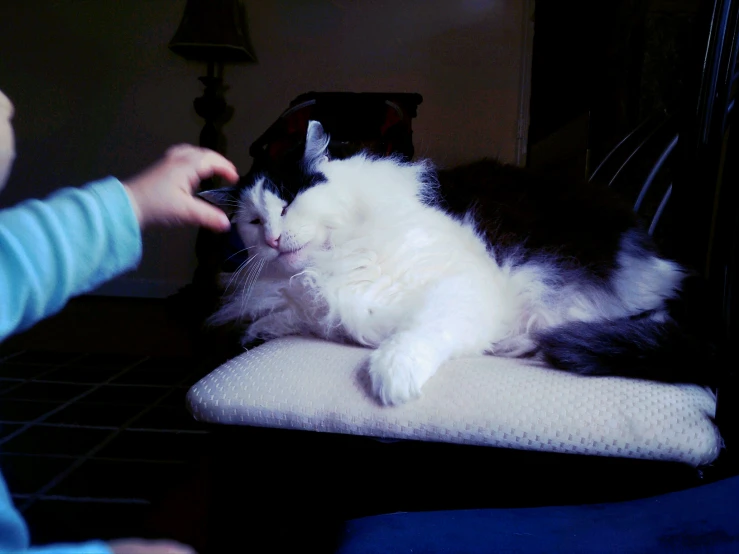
{"type": "Point", "coordinates": [240, 251]}
{"type": "Point", "coordinates": [254, 279]}
{"type": "Point", "coordinates": [235, 275]}
{"type": "Point", "coordinates": [243, 291]}
{"type": "Point", "coordinates": [250, 281]}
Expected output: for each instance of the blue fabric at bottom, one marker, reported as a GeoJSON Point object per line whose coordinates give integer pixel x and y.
{"type": "Point", "coordinates": [704, 519]}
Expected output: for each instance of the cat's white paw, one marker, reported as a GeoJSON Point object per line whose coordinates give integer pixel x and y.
{"type": "Point", "coordinates": [247, 339]}
{"type": "Point", "coordinates": [397, 373]}
{"type": "Point", "coordinates": [270, 326]}
{"type": "Point", "coordinates": [252, 333]}
{"type": "Point", "coordinates": [514, 347]}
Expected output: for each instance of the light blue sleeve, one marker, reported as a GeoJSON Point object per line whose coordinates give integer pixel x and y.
{"type": "Point", "coordinates": [63, 246]}
{"type": "Point", "coordinates": [50, 251]}
{"type": "Point", "coordinates": [92, 547]}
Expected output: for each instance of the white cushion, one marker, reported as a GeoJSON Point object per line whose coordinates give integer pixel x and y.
{"type": "Point", "coordinates": [310, 384]}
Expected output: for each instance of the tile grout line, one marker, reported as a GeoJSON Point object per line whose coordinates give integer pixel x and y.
{"type": "Point", "coordinates": [10, 421]}
{"type": "Point", "coordinates": [98, 458]}
{"type": "Point", "coordinates": [7, 357]}
{"type": "Point", "coordinates": [30, 500]}
{"type": "Point", "coordinates": [90, 453]}
{"type": "Point", "coordinates": [52, 368]}
{"type": "Point", "coordinates": [78, 461]}
{"type": "Point", "coordinates": [142, 385]}
{"type": "Point", "coordinates": [101, 500]}
{"type": "Point", "coordinates": [68, 403]}
{"type": "Point", "coordinates": [108, 428]}
{"type": "Point", "coordinates": [73, 425]}
{"type": "Point", "coordinates": [169, 431]}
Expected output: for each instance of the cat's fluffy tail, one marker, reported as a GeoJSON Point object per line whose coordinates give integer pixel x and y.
{"type": "Point", "coordinates": [644, 348]}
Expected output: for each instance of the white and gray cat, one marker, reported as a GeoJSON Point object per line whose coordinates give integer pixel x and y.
{"type": "Point", "coordinates": [423, 267]}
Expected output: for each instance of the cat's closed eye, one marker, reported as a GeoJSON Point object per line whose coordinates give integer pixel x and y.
{"type": "Point", "coordinates": [284, 211]}
{"type": "Point", "coordinates": [256, 221]}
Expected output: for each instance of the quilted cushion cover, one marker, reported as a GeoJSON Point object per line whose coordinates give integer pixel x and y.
{"type": "Point", "coordinates": [311, 384]}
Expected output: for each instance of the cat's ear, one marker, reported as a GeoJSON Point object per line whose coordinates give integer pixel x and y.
{"type": "Point", "coordinates": [226, 198]}
{"type": "Point", "coordinates": [316, 144]}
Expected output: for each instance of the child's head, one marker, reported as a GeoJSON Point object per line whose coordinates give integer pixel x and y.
{"type": "Point", "coordinates": [7, 143]}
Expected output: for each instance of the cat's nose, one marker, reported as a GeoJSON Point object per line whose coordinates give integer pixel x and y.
{"type": "Point", "coordinates": [274, 242]}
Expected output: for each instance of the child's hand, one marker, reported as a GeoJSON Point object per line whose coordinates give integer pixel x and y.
{"type": "Point", "coordinates": [141, 546]}
{"type": "Point", "coordinates": [163, 193]}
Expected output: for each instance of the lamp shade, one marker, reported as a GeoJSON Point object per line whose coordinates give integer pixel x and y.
{"type": "Point", "coordinates": [213, 31]}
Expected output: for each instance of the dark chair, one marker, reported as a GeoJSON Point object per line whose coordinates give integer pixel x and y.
{"type": "Point", "coordinates": [681, 172]}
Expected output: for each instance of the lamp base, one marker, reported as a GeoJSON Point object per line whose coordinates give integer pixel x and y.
{"type": "Point", "coordinates": [199, 299]}
{"type": "Point", "coordinates": [212, 107]}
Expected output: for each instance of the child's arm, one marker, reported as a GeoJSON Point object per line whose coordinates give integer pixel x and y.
{"type": "Point", "coordinates": [77, 239]}
{"type": "Point", "coordinates": [65, 245]}
{"type": "Point", "coordinates": [74, 241]}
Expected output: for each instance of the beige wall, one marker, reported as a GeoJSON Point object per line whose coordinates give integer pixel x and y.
{"type": "Point", "coordinates": [97, 91]}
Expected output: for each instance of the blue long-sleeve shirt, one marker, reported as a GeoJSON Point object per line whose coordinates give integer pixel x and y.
{"type": "Point", "coordinates": [50, 251]}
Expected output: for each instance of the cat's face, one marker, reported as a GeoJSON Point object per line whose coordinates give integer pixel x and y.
{"type": "Point", "coordinates": [282, 230]}
{"type": "Point", "coordinates": [274, 227]}
{"type": "Point", "coordinates": [307, 223]}
{"type": "Point", "coordinates": [256, 208]}
{"type": "Point", "coordinates": [259, 219]}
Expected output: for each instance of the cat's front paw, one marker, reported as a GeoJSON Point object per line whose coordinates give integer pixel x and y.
{"type": "Point", "coordinates": [248, 339]}
{"type": "Point", "coordinates": [397, 373]}
{"type": "Point", "coordinates": [270, 326]}
{"type": "Point", "coordinates": [519, 346]}
{"type": "Point", "coordinates": [256, 334]}
{"type": "Point", "coordinates": [251, 335]}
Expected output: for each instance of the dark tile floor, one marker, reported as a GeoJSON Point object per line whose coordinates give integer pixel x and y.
{"type": "Point", "coordinates": [101, 445]}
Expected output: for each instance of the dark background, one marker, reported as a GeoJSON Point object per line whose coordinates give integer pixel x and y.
{"type": "Point", "coordinates": [598, 70]}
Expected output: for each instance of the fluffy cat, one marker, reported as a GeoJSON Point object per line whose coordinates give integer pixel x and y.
{"type": "Point", "coordinates": [424, 267]}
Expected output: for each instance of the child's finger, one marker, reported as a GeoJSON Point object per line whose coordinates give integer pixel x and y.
{"type": "Point", "coordinates": [205, 162]}
{"type": "Point", "coordinates": [180, 149]}
{"type": "Point", "coordinates": [213, 163]}
{"type": "Point", "coordinates": [205, 214]}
